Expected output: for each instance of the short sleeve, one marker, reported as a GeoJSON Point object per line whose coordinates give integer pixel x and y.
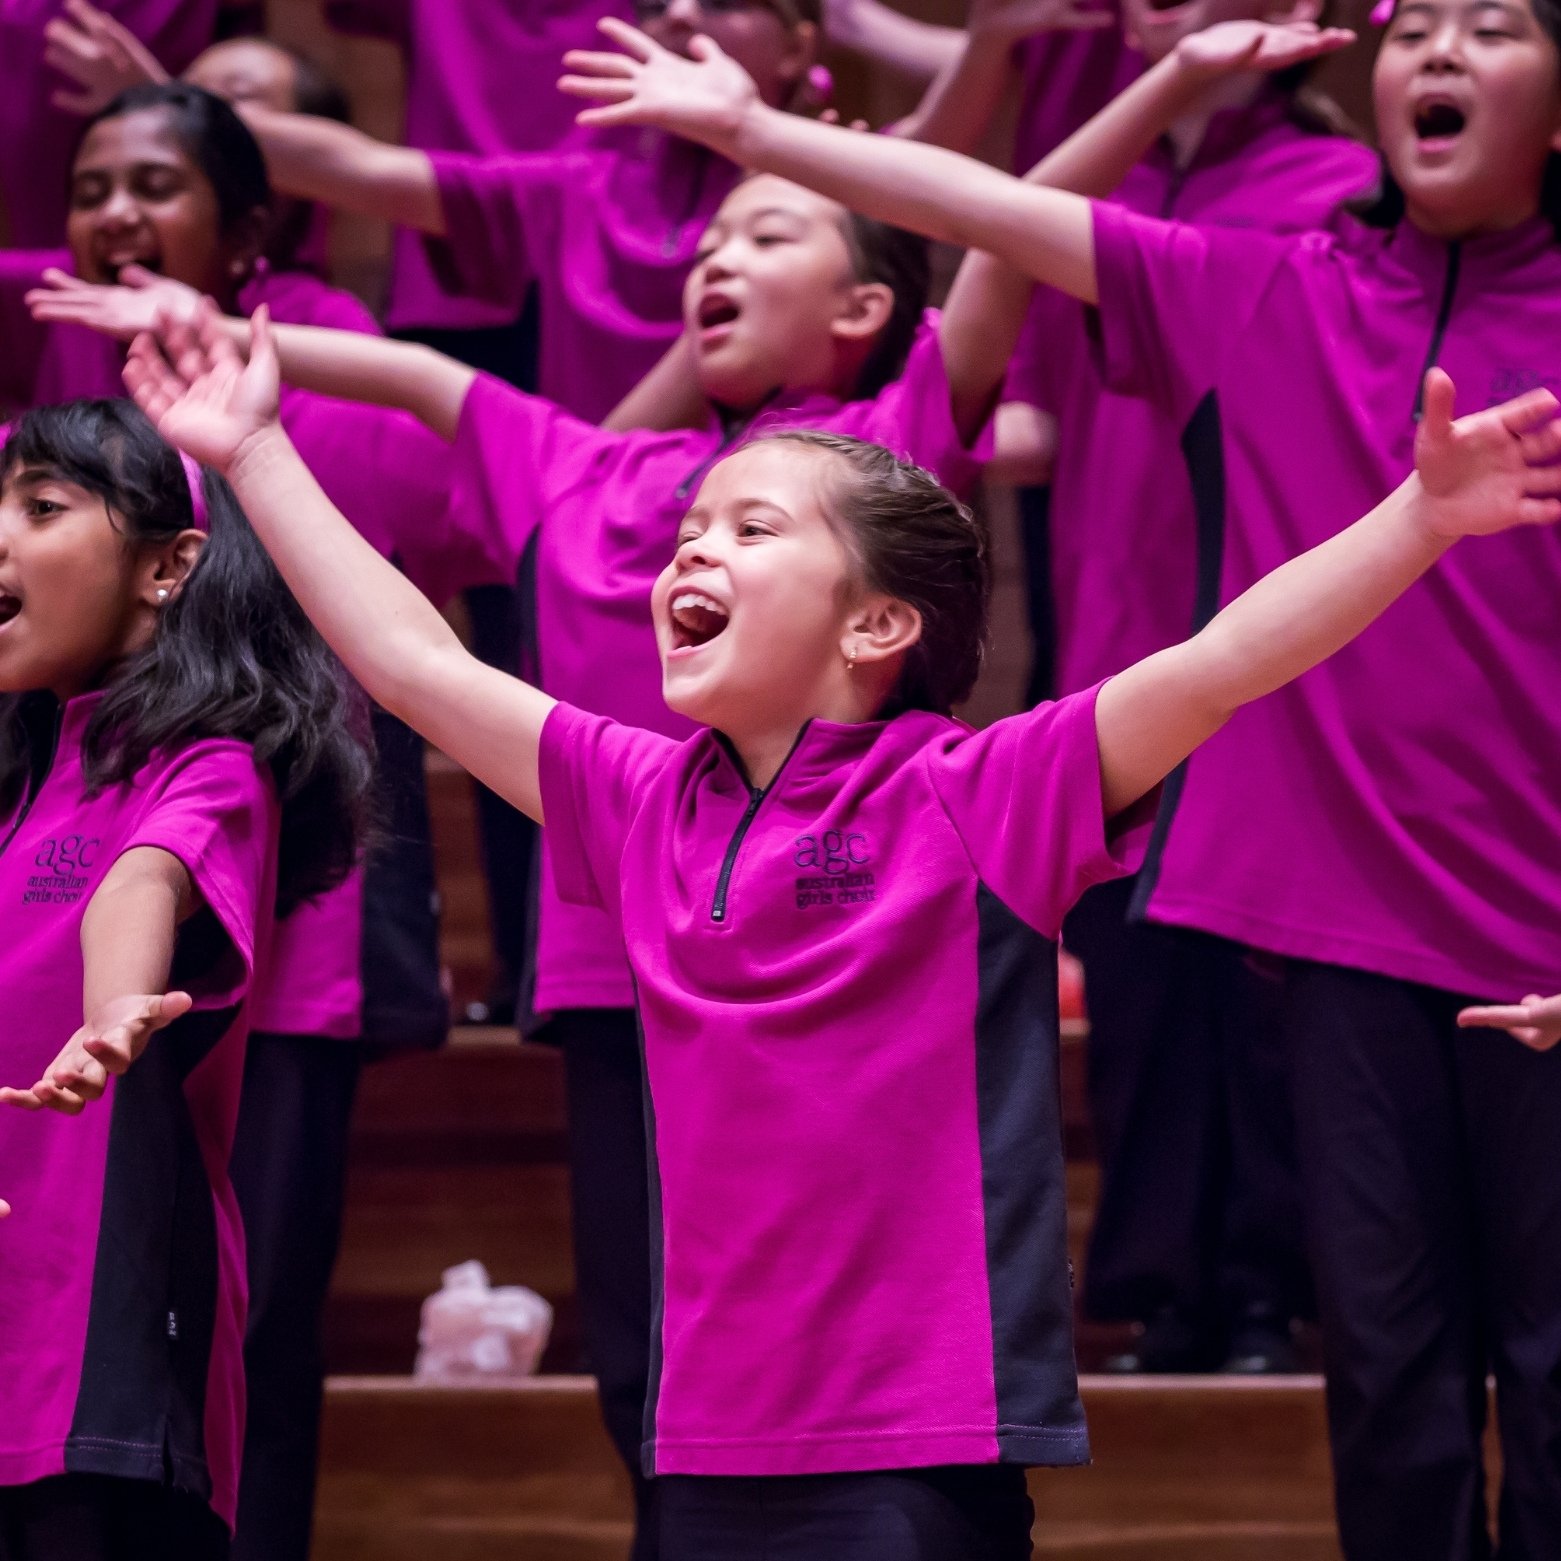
{"type": "Point", "coordinates": [1173, 300]}
{"type": "Point", "coordinates": [515, 457]}
{"type": "Point", "coordinates": [914, 417]}
{"type": "Point", "coordinates": [1024, 797]}
{"type": "Point", "coordinates": [492, 213]}
{"type": "Point", "coordinates": [214, 809]}
{"type": "Point", "coordinates": [594, 773]}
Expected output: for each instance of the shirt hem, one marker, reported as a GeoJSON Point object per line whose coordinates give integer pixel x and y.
{"type": "Point", "coordinates": [848, 1453]}
{"type": "Point", "coordinates": [1382, 959]}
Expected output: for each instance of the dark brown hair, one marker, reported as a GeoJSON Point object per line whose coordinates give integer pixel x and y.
{"type": "Point", "coordinates": [914, 541]}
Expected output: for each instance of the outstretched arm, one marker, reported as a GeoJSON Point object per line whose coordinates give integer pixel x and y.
{"type": "Point", "coordinates": [320, 160]}
{"type": "Point", "coordinates": [347, 364]}
{"type": "Point", "coordinates": [128, 933]}
{"type": "Point", "coordinates": [193, 384]}
{"type": "Point", "coordinates": [1479, 475]}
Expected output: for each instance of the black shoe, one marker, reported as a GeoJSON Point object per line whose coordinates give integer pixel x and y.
{"type": "Point", "coordinates": [1168, 1344]}
{"type": "Point", "coordinates": [1262, 1344]}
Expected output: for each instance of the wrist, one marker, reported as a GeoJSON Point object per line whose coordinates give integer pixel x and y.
{"type": "Point", "coordinates": [746, 134]}
{"type": "Point", "coordinates": [257, 456]}
{"type": "Point", "coordinates": [1432, 524]}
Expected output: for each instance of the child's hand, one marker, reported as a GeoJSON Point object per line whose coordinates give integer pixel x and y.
{"type": "Point", "coordinates": [1490, 470]}
{"type": "Point", "coordinates": [1536, 1021]}
{"type": "Point", "coordinates": [1229, 48]}
{"type": "Point", "coordinates": [193, 384]}
{"type": "Point", "coordinates": [1012, 20]}
{"type": "Point", "coordinates": [99, 55]}
{"type": "Point", "coordinates": [122, 311]}
{"type": "Point", "coordinates": [704, 98]}
{"type": "Point", "coordinates": [107, 1044]}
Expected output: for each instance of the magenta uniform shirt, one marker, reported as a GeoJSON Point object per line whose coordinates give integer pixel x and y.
{"type": "Point", "coordinates": [607, 228]}
{"type": "Point", "coordinates": [1067, 78]}
{"type": "Point", "coordinates": [847, 985]}
{"type": "Point", "coordinates": [482, 76]}
{"type": "Point", "coordinates": [122, 1289]}
{"type": "Point", "coordinates": [386, 472]}
{"type": "Point", "coordinates": [1124, 525]}
{"type": "Point", "coordinates": [1397, 808]}
{"type": "Point", "coordinates": [612, 503]}
{"type": "Point", "coordinates": [37, 140]}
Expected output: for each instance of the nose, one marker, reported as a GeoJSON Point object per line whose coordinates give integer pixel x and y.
{"type": "Point", "coordinates": [1445, 44]}
{"type": "Point", "coordinates": [685, 13]}
{"type": "Point", "coordinates": [119, 209]}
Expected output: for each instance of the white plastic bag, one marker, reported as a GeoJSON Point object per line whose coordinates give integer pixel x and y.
{"type": "Point", "coordinates": [473, 1329]}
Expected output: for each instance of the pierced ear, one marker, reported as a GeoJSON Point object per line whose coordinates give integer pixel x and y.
{"type": "Point", "coordinates": [867, 310]}
{"type": "Point", "coordinates": [885, 627]}
{"type": "Point", "coordinates": [170, 567]}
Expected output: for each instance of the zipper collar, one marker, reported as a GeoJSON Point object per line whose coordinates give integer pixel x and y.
{"type": "Point", "coordinates": [1484, 260]}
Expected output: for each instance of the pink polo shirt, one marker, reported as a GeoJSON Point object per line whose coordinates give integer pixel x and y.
{"type": "Point", "coordinates": [1067, 78]}
{"type": "Point", "coordinates": [482, 76]}
{"type": "Point", "coordinates": [1132, 506]}
{"type": "Point", "coordinates": [607, 228]}
{"type": "Point", "coordinates": [122, 1291]}
{"type": "Point", "coordinates": [1395, 809]}
{"type": "Point", "coordinates": [603, 509]}
{"type": "Point", "coordinates": [847, 987]}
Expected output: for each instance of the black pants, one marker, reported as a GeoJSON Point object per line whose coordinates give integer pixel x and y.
{"type": "Point", "coordinates": [950, 1514]}
{"type": "Point", "coordinates": [289, 1170]}
{"type": "Point", "coordinates": [1200, 1201]}
{"type": "Point", "coordinates": [1039, 607]}
{"type": "Point", "coordinates": [608, 1183]}
{"type": "Point", "coordinates": [95, 1517]}
{"type": "Point", "coordinates": [1431, 1162]}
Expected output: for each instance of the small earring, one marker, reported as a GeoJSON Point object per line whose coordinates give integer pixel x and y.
{"type": "Point", "coordinates": [851, 660]}
{"type": "Point", "coordinates": [162, 595]}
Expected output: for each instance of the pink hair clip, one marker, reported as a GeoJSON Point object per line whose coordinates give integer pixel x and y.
{"type": "Point", "coordinates": [1382, 13]}
{"type": "Point", "coordinates": [192, 474]}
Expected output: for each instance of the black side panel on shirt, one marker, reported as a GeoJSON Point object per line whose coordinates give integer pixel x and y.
{"type": "Point", "coordinates": [1203, 449]}
{"type": "Point", "coordinates": [403, 1004]}
{"type": "Point", "coordinates": [658, 1271]}
{"type": "Point", "coordinates": [141, 1408]}
{"type": "Point", "coordinates": [1039, 1417]}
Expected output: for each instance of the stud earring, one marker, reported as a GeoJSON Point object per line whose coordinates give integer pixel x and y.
{"type": "Point", "coordinates": [851, 660]}
{"type": "Point", "coordinates": [162, 595]}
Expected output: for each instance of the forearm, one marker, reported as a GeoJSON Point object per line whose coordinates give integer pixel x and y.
{"type": "Point", "coordinates": [913, 48]}
{"type": "Point", "coordinates": [354, 366]}
{"type": "Point", "coordinates": [959, 106]}
{"type": "Point", "coordinates": [1047, 234]}
{"type": "Point", "coordinates": [130, 926]}
{"type": "Point", "coordinates": [320, 160]}
{"type": "Point", "coordinates": [668, 397]}
{"type": "Point", "coordinates": [978, 333]}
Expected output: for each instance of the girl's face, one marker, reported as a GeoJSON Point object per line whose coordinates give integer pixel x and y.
{"type": "Point", "coordinates": [776, 52]}
{"type": "Point", "coordinates": [137, 197]}
{"type": "Point", "coordinates": [772, 302]}
{"type": "Point", "coordinates": [753, 613]}
{"type": "Point", "coordinates": [1468, 103]}
{"type": "Point", "coordinates": [247, 70]}
{"type": "Point", "coordinates": [1155, 29]}
{"type": "Point", "coordinates": [75, 595]}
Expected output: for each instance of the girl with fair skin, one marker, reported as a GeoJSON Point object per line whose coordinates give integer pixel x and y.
{"type": "Point", "coordinates": [767, 625]}
{"type": "Point", "coordinates": [178, 766]}
{"type": "Point", "coordinates": [1402, 878]}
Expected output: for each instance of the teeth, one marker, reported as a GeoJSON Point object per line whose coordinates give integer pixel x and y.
{"type": "Point", "coordinates": [694, 599]}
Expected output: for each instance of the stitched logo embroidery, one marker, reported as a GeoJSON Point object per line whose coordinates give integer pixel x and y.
{"type": "Point", "coordinates": [841, 875]}
{"type": "Point", "coordinates": [67, 862]}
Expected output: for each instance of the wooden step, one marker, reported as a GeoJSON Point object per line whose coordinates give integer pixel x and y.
{"type": "Point", "coordinates": [1207, 1468]}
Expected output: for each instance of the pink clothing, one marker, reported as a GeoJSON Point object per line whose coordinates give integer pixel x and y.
{"type": "Point", "coordinates": [1124, 524]}
{"type": "Point", "coordinates": [122, 1288]}
{"type": "Point", "coordinates": [482, 76]}
{"type": "Point", "coordinates": [847, 986]}
{"type": "Point", "coordinates": [612, 503]}
{"type": "Point", "coordinates": [607, 229]}
{"type": "Point", "coordinates": [1067, 79]}
{"type": "Point", "coordinates": [1396, 809]}
{"type": "Point", "coordinates": [37, 140]}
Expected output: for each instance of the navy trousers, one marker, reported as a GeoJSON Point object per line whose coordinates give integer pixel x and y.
{"type": "Point", "coordinates": [1431, 1165]}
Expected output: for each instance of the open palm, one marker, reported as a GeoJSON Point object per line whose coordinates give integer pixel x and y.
{"type": "Point", "coordinates": [121, 310]}
{"type": "Point", "coordinates": [1491, 470]}
{"type": "Point", "coordinates": [1229, 47]}
{"type": "Point", "coordinates": [193, 384]}
{"type": "Point", "coordinates": [703, 98]}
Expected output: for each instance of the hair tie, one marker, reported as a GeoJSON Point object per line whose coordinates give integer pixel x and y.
{"type": "Point", "coordinates": [1382, 13]}
{"type": "Point", "coordinates": [192, 473]}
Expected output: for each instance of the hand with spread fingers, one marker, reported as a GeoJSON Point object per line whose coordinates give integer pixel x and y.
{"type": "Point", "coordinates": [1536, 1021]}
{"type": "Point", "coordinates": [103, 1047]}
{"type": "Point", "coordinates": [1229, 48]}
{"type": "Point", "coordinates": [98, 55]}
{"type": "Point", "coordinates": [123, 310]}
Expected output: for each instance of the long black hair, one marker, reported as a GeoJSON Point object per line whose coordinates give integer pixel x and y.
{"type": "Point", "coordinates": [232, 656]}
{"type": "Point", "coordinates": [1384, 206]}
